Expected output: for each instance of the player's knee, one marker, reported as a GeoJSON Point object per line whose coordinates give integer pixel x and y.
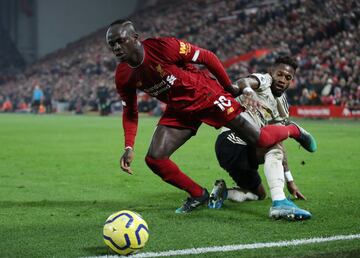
{"type": "Point", "coordinates": [156, 154]}
{"type": "Point", "coordinates": [159, 167]}
{"type": "Point", "coordinates": [154, 165]}
{"type": "Point", "coordinates": [275, 154]}
{"type": "Point", "coordinates": [151, 162]}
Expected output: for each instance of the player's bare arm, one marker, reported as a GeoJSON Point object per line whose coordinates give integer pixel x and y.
{"type": "Point", "coordinates": [247, 82]}
{"type": "Point", "coordinates": [290, 183]}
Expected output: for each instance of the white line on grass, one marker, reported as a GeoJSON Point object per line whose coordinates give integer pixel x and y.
{"type": "Point", "coordinates": [229, 248]}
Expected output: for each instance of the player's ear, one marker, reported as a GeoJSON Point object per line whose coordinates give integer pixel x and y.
{"type": "Point", "coordinates": [270, 70]}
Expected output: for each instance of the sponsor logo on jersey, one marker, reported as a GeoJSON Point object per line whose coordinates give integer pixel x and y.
{"type": "Point", "coordinates": [185, 48]}
{"type": "Point", "coordinates": [162, 86]}
{"type": "Point", "coordinates": [158, 88]}
{"type": "Point", "coordinates": [171, 79]}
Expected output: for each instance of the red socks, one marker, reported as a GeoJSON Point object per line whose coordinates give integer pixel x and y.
{"type": "Point", "coordinates": [272, 134]}
{"type": "Point", "coordinates": [170, 173]}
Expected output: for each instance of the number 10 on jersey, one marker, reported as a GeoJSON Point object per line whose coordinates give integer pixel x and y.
{"type": "Point", "coordinates": [222, 102]}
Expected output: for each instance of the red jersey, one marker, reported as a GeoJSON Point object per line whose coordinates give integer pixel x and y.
{"type": "Point", "coordinates": [167, 74]}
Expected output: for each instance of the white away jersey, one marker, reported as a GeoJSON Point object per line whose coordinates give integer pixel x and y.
{"type": "Point", "coordinates": [273, 110]}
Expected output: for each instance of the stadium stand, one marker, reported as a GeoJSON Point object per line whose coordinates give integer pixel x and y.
{"type": "Point", "coordinates": [323, 35]}
{"type": "Point", "coordinates": [11, 60]}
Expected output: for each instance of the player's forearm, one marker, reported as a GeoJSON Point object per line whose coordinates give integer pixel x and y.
{"type": "Point", "coordinates": [213, 64]}
{"type": "Point", "coordinates": [246, 82]}
{"type": "Point", "coordinates": [130, 124]}
{"type": "Point", "coordinates": [285, 160]}
{"type": "Point", "coordinates": [288, 176]}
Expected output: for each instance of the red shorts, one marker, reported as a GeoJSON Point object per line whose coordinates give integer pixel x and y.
{"type": "Point", "coordinates": [222, 109]}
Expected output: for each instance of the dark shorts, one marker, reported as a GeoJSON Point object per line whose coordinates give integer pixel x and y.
{"type": "Point", "coordinates": [36, 103]}
{"type": "Point", "coordinates": [238, 160]}
{"type": "Point", "coordinates": [211, 112]}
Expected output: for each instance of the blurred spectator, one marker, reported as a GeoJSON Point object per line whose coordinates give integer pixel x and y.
{"type": "Point", "coordinates": [322, 35]}
{"type": "Point", "coordinates": [104, 102]}
{"type": "Point", "coordinates": [37, 99]}
{"type": "Point", "coordinates": [48, 100]}
{"type": "Point", "coordinates": [305, 98]}
{"type": "Point", "coordinates": [22, 107]}
{"type": "Point", "coordinates": [7, 106]}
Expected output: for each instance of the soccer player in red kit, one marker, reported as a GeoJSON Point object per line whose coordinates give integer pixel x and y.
{"type": "Point", "coordinates": [162, 67]}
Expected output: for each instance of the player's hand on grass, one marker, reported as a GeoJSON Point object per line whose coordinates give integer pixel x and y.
{"type": "Point", "coordinates": [294, 190]}
{"type": "Point", "coordinates": [126, 160]}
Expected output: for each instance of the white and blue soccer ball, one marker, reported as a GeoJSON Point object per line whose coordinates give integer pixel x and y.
{"type": "Point", "coordinates": [125, 232]}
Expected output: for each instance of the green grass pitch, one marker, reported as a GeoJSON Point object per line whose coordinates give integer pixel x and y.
{"type": "Point", "coordinates": [60, 180]}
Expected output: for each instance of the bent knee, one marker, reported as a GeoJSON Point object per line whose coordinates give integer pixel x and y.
{"type": "Point", "coordinates": [275, 153]}
{"type": "Point", "coordinates": [151, 161]}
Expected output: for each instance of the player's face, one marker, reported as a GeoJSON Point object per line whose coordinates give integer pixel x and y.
{"type": "Point", "coordinates": [121, 42]}
{"type": "Point", "coordinates": [282, 75]}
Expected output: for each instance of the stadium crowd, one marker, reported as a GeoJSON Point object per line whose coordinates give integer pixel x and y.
{"type": "Point", "coordinates": [323, 35]}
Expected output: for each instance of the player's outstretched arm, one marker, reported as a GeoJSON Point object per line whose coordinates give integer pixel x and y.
{"type": "Point", "coordinates": [290, 183]}
{"type": "Point", "coordinates": [130, 124]}
{"type": "Point", "coordinates": [185, 52]}
{"type": "Point", "coordinates": [247, 83]}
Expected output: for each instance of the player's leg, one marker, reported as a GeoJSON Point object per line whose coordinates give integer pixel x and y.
{"type": "Point", "coordinates": [234, 157]}
{"type": "Point", "coordinates": [228, 113]}
{"type": "Point", "coordinates": [163, 144]}
{"type": "Point", "coordinates": [271, 134]}
{"type": "Point", "coordinates": [274, 173]}
{"type": "Point", "coordinates": [166, 140]}
{"type": "Point", "coordinates": [248, 178]}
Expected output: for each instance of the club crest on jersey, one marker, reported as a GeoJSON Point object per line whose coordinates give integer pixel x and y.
{"type": "Point", "coordinates": [185, 48]}
{"type": "Point", "coordinates": [160, 70]}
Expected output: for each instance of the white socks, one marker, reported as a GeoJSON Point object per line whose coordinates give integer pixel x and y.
{"type": "Point", "coordinates": [274, 173]}
{"type": "Point", "coordinates": [238, 195]}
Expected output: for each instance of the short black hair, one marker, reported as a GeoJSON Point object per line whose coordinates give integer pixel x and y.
{"type": "Point", "coordinates": [119, 21]}
{"type": "Point", "coordinates": [287, 60]}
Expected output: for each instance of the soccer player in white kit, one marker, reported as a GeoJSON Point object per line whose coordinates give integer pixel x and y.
{"type": "Point", "coordinates": [241, 161]}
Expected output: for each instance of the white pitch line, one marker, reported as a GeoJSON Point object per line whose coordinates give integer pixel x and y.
{"type": "Point", "coordinates": [229, 248]}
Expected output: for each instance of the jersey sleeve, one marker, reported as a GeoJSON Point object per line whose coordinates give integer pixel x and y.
{"type": "Point", "coordinates": [179, 51]}
{"type": "Point", "coordinates": [130, 112]}
{"type": "Point", "coordinates": [264, 80]}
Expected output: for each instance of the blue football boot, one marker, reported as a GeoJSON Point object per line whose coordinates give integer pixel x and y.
{"type": "Point", "coordinates": [218, 195]}
{"type": "Point", "coordinates": [288, 210]}
{"type": "Point", "coordinates": [306, 140]}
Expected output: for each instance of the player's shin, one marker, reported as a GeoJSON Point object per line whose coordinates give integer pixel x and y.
{"type": "Point", "coordinates": [274, 173]}
{"type": "Point", "coordinates": [272, 134]}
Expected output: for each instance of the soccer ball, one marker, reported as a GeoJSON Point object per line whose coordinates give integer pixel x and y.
{"type": "Point", "coordinates": [125, 232]}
